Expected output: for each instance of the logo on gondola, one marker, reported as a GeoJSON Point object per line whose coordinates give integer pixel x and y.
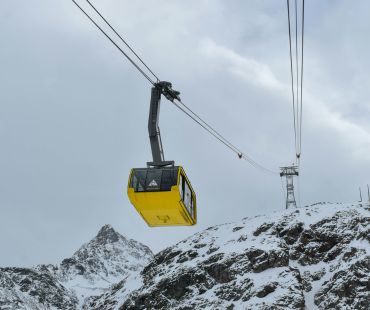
{"type": "Point", "coordinates": [153, 183]}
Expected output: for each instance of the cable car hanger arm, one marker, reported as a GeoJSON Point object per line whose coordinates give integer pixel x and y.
{"type": "Point", "coordinates": [158, 89]}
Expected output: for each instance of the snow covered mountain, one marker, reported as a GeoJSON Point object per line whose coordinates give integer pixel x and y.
{"type": "Point", "coordinates": [316, 257]}
{"type": "Point", "coordinates": [105, 260]}
{"type": "Point", "coordinates": [30, 289]}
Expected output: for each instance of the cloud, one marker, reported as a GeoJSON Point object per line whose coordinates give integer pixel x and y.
{"type": "Point", "coordinates": [346, 132]}
{"type": "Point", "coordinates": [319, 114]}
{"type": "Point", "coordinates": [248, 69]}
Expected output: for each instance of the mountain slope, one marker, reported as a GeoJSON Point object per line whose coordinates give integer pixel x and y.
{"type": "Point", "coordinates": [316, 257]}
{"type": "Point", "coordinates": [27, 288]}
{"type": "Point", "coordinates": [103, 261]}
{"type": "Point", "coordinates": [91, 270]}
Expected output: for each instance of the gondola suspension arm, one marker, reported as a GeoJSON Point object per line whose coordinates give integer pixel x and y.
{"type": "Point", "coordinates": [158, 89]}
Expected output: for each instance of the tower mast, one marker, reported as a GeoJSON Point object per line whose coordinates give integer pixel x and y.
{"type": "Point", "coordinates": [289, 172]}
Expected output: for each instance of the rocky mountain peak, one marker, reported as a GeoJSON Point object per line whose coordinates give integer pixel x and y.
{"type": "Point", "coordinates": [103, 261]}
{"type": "Point", "coordinates": [107, 234]}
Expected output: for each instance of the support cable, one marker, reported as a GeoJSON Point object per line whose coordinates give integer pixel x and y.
{"type": "Point", "coordinates": [115, 44]}
{"type": "Point", "coordinates": [296, 72]}
{"type": "Point", "coordinates": [292, 76]}
{"type": "Point", "coordinates": [297, 78]}
{"type": "Point", "coordinates": [302, 44]}
{"type": "Point", "coordinates": [221, 138]}
{"type": "Point", "coordinates": [179, 104]}
{"type": "Point", "coordinates": [124, 41]}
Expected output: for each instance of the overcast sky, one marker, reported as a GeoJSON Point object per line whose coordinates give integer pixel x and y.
{"type": "Point", "coordinates": [73, 114]}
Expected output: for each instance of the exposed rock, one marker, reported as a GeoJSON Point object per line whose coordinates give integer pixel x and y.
{"type": "Point", "coordinates": [267, 289]}
{"type": "Point", "coordinates": [319, 255]}
{"type": "Point", "coordinates": [348, 288]}
{"type": "Point", "coordinates": [97, 265]}
{"type": "Point", "coordinates": [25, 288]}
{"type": "Point", "coordinates": [263, 228]}
{"type": "Point", "coordinates": [291, 233]}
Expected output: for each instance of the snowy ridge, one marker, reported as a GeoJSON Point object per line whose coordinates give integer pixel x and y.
{"type": "Point", "coordinates": [316, 257]}
{"type": "Point", "coordinates": [97, 265]}
{"type": "Point", "coordinates": [103, 261]}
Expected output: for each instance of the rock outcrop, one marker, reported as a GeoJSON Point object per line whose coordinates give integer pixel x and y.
{"type": "Point", "coordinates": [316, 257]}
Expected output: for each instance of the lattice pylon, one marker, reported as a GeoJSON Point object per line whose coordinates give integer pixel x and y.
{"type": "Point", "coordinates": [289, 173]}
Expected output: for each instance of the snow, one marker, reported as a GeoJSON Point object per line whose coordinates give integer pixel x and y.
{"type": "Point", "coordinates": [232, 239]}
{"type": "Point", "coordinates": [110, 267]}
{"type": "Point", "coordinates": [91, 271]}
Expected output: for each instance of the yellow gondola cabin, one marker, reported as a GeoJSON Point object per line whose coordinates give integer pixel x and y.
{"type": "Point", "coordinates": [163, 196]}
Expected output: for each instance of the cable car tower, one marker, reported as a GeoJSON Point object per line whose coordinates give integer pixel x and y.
{"type": "Point", "coordinates": [289, 173]}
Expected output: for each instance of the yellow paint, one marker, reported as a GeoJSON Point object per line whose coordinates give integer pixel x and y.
{"type": "Point", "coordinates": [163, 208]}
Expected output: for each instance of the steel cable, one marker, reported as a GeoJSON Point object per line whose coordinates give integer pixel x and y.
{"type": "Point", "coordinates": [297, 78]}
{"type": "Point", "coordinates": [300, 123]}
{"type": "Point", "coordinates": [180, 105]}
{"type": "Point", "coordinates": [292, 76]}
{"type": "Point", "coordinates": [296, 72]}
{"type": "Point", "coordinates": [124, 41]}
{"type": "Point", "coordinates": [221, 138]}
{"type": "Point", "coordinates": [115, 44]}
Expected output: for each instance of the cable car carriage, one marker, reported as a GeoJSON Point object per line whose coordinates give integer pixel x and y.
{"type": "Point", "coordinates": [161, 193]}
{"type": "Point", "coordinates": [163, 196]}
